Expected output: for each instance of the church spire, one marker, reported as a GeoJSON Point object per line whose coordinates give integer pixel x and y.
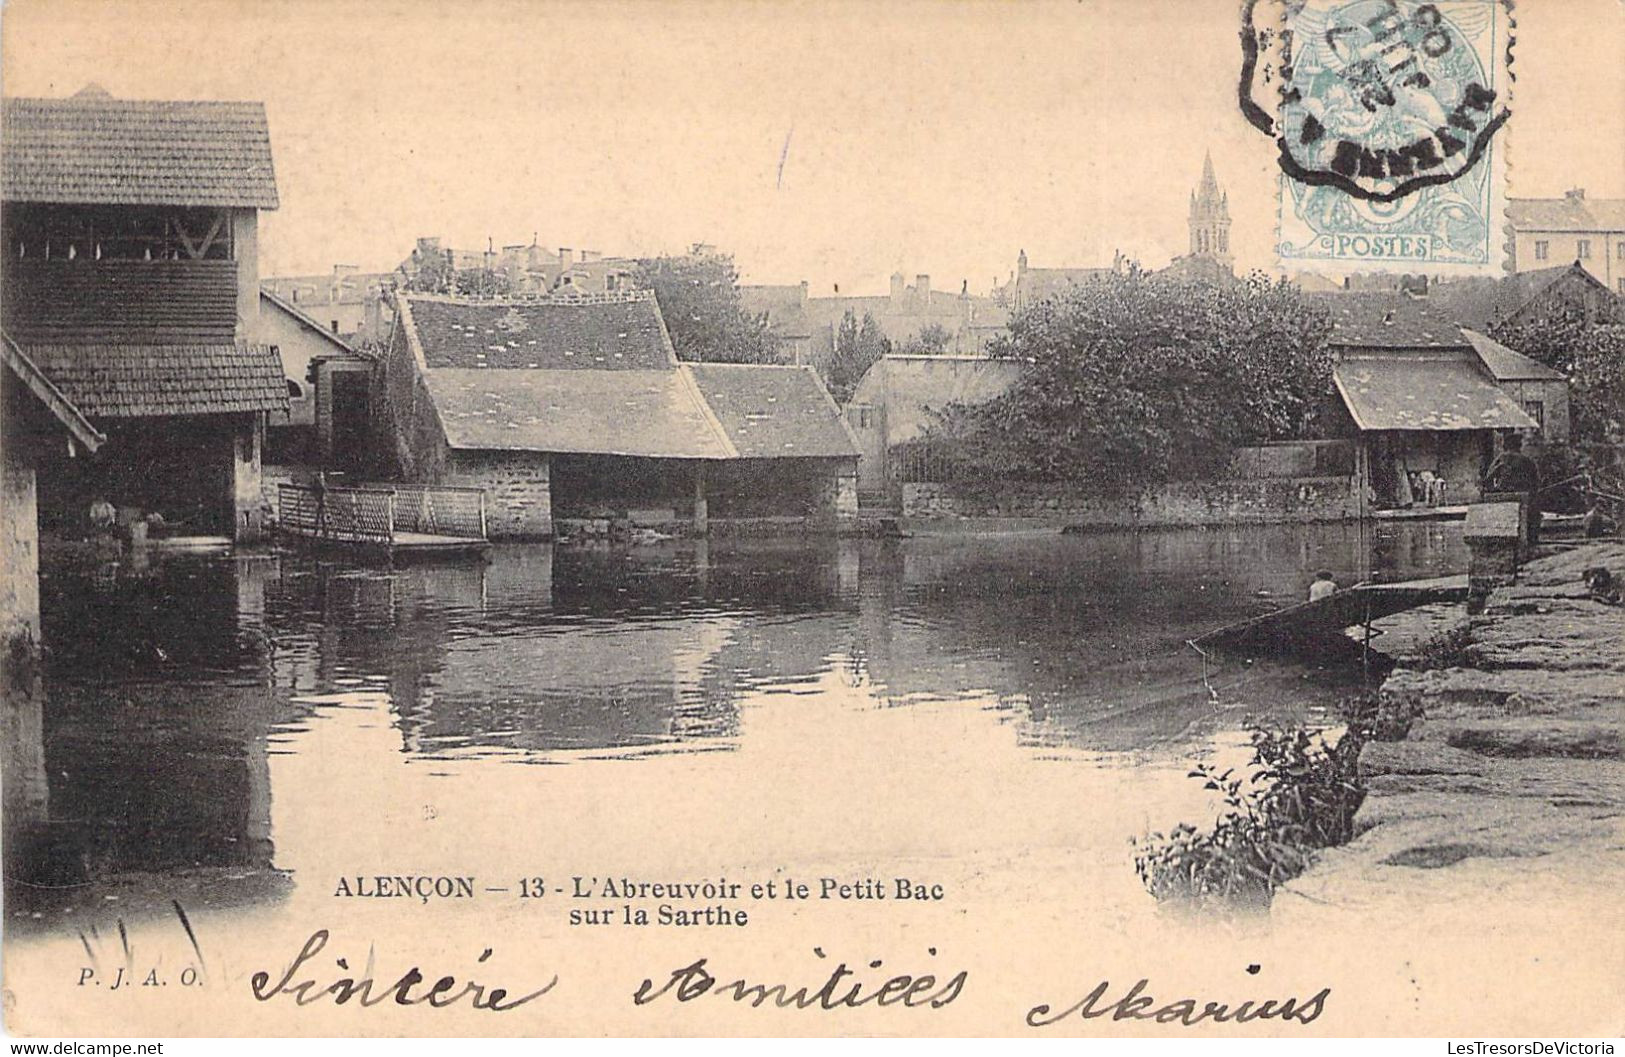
{"type": "Point", "coordinates": [1210, 217]}
{"type": "Point", "coordinates": [1209, 189]}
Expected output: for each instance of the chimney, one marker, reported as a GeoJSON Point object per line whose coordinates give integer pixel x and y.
{"type": "Point", "coordinates": [803, 291]}
{"type": "Point", "coordinates": [590, 255]}
{"type": "Point", "coordinates": [1575, 194]}
{"type": "Point", "coordinates": [897, 287]}
{"type": "Point", "coordinates": [564, 256]}
{"type": "Point", "coordinates": [922, 288]}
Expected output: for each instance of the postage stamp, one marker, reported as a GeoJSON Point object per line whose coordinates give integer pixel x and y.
{"type": "Point", "coordinates": [1390, 119]}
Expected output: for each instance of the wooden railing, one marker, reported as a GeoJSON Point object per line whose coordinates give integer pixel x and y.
{"type": "Point", "coordinates": [338, 515]}
{"type": "Point", "coordinates": [439, 511]}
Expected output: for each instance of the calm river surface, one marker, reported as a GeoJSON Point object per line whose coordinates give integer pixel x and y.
{"type": "Point", "coordinates": [216, 716]}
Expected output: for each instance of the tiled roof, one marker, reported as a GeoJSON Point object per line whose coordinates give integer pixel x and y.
{"type": "Point", "coordinates": [94, 149]}
{"type": "Point", "coordinates": [44, 390]}
{"type": "Point", "coordinates": [774, 411]}
{"type": "Point", "coordinates": [575, 332]}
{"type": "Point", "coordinates": [1482, 303]}
{"type": "Point", "coordinates": [137, 381]}
{"type": "Point", "coordinates": [1380, 320]}
{"type": "Point", "coordinates": [655, 414]}
{"type": "Point", "coordinates": [1567, 214]}
{"type": "Point", "coordinates": [1507, 365]}
{"type": "Point", "coordinates": [1424, 392]}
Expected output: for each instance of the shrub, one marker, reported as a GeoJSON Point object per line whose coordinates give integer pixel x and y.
{"type": "Point", "coordinates": [1300, 794]}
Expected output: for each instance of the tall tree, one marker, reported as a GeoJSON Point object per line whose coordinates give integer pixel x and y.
{"type": "Point", "coordinates": [698, 295]}
{"type": "Point", "coordinates": [857, 347]}
{"type": "Point", "coordinates": [1132, 379]}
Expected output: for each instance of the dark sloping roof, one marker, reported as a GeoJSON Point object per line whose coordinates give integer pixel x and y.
{"type": "Point", "coordinates": [1481, 303]}
{"type": "Point", "coordinates": [137, 381]}
{"type": "Point", "coordinates": [1507, 365]}
{"type": "Point", "coordinates": [94, 149]}
{"type": "Point", "coordinates": [1381, 320]}
{"type": "Point", "coordinates": [774, 411]}
{"type": "Point", "coordinates": [65, 411]}
{"type": "Point", "coordinates": [1567, 214]}
{"type": "Point", "coordinates": [655, 414]}
{"type": "Point", "coordinates": [579, 332]}
{"type": "Point", "coordinates": [1423, 392]}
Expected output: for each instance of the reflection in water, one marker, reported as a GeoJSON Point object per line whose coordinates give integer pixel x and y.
{"type": "Point", "coordinates": [172, 689]}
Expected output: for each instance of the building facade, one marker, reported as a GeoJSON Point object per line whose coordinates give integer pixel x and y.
{"type": "Point", "coordinates": [1574, 229]}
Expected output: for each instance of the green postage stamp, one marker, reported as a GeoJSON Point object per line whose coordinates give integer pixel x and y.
{"type": "Point", "coordinates": [1390, 118]}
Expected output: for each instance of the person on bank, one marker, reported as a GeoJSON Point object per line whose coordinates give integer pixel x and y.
{"type": "Point", "coordinates": [1323, 587]}
{"type": "Point", "coordinates": [1514, 471]}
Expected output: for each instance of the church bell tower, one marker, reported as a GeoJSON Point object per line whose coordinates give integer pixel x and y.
{"type": "Point", "coordinates": [1210, 218]}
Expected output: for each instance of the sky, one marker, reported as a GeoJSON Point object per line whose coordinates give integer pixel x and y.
{"type": "Point", "coordinates": [821, 141]}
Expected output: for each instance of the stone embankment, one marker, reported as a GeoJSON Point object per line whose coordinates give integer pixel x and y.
{"type": "Point", "coordinates": [1509, 735]}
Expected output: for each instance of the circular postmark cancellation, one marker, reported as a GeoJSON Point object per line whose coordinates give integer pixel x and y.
{"type": "Point", "coordinates": [1379, 99]}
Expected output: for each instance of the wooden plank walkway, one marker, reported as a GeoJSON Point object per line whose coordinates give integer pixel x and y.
{"type": "Point", "coordinates": [1296, 625]}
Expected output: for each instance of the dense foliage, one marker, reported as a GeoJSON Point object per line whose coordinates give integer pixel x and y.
{"type": "Point", "coordinates": [857, 347]}
{"type": "Point", "coordinates": [699, 298]}
{"type": "Point", "coordinates": [1300, 794]}
{"type": "Point", "coordinates": [1135, 378]}
{"type": "Point", "coordinates": [436, 275]}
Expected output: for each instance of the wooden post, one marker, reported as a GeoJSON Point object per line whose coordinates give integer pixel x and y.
{"type": "Point", "coordinates": [702, 513]}
{"type": "Point", "coordinates": [390, 505]}
{"type": "Point", "coordinates": [482, 515]}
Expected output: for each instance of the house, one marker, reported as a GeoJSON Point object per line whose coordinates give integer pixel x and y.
{"type": "Point", "coordinates": [1422, 396]}
{"type": "Point", "coordinates": [1029, 285]}
{"type": "Point", "coordinates": [900, 397]}
{"type": "Point", "coordinates": [1590, 231]}
{"type": "Point", "coordinates": [1526, 297]}
{"type": "Point", "coordinates": [785, 310]}
{"type": "Point", "coordinates": [523, 268]}
{"type": "Point", "coordinates": [349, 302]}
{"type": "Point", "coordinates": [572, 412]}
{"type": "Point", "coordinates": [328, 380]}
{"type": "Point", "coordinates": [968, 322]}
{"type": "Point", "coordinates": [131, 284]}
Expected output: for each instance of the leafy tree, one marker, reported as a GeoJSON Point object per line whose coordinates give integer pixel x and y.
{"type": "Point", "coordinates": [698, 295]}
{"type": "Point", "coordinates": [1134, 379]}
{"type": "Point", "coordinates": [857, 347]}
{"type": "Point", "coordinates": [437, 275]}
{"type": "Point", "coordinates": [932, 340]}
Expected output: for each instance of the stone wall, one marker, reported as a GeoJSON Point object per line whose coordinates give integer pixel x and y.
{"type": "Point", "coordinates": [518, 490]}
{"type": "Point", "coordinates": [1178, 503]}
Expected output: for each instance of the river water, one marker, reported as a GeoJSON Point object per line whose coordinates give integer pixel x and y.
{"type": "Point", "coordinates": [207, 719]}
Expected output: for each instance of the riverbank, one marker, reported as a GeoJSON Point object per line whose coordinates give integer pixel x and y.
{"type": "Point", "coordinates": [1508, 761]}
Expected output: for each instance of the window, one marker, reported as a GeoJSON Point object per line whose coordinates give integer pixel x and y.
{"type": "Point", "coordinates": [1619, 251]}
{"type": "Point", "coordinates": [335, 326]}
{"type": "Point", "coordinates": [1582, 249]}
{"type": "Point", "coordinates": [1536, 410]}
{"type": "Point", "coordinates": [861, 416]}
{"type": "Point", "coordinates": [295, 390]}
{"type": "Point", "coordinates": [1622, 286]}
{"type": "Point", "coordinates": [1542, 249]}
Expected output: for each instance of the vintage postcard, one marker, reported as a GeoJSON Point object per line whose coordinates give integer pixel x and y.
{"type": "Point", "coordinates": [813, 518]}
